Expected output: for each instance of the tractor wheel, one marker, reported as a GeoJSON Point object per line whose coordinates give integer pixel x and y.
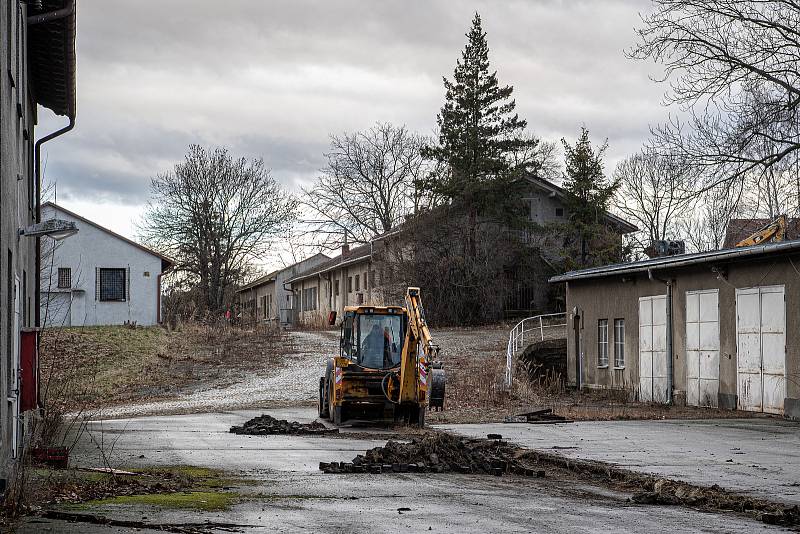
{"type": "Point", "coordinates": [323, 399]}
{"type": "Point", "coordinates": [338, 415]}
{"type": "Point", "coordinates": [331, 406]}
{"type": "Point", "coordinates": [421, 417]}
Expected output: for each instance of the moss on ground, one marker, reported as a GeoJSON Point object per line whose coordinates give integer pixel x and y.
{"type": "Point", "coordinates": [207, 501]}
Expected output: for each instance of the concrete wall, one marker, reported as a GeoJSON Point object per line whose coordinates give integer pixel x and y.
{"type": "Point", "coordinates": [84, 253]}
{"type": "Point", "coordinates": [17, 202]}
{"type": "Point", "coordinates": [610, 298]}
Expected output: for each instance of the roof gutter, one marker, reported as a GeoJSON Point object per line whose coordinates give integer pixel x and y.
{"type": "Point", "coordinates": [695, 259]}
{"type": "Point", "coordinates": [49, 16]}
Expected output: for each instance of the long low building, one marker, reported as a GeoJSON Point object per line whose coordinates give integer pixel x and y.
{"type": "Point", "coordinates": [716, 329]}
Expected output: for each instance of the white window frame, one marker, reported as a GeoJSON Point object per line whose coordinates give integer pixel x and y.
{"type": "Point", "coordinates": [619, 343]}
{"type": "Point", "coordinates": [602, 343]}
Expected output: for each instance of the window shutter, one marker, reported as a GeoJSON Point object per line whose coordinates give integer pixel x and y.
{"type": "Point", "coordinates": [97, 283]}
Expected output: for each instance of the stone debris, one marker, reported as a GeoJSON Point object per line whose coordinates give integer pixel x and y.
{"type": "Point", "coordinates": [266, 425]}
{"type": "Point", "coordinates": [437, 453]}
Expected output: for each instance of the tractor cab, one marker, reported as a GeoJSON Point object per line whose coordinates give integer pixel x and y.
{"type": "Point", "coordinates": [372, 337]}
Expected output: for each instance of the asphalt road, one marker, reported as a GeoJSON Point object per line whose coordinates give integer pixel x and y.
{"type": "Point", "coordinates": [290, 494]}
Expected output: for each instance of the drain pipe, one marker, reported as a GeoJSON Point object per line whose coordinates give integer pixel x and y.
{"type": "Point", "coordinates": [670, 370]}
{"type": "Point", "coordinates": [38, 187]}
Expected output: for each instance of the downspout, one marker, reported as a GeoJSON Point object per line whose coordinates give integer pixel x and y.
{"type": "Point", "coordinates": [670, 370]}
{"type": "Point", "coordinates": [38, 185]}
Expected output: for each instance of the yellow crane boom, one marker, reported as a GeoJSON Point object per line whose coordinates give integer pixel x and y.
{"type": "Point", "coordinates": [774, 231]}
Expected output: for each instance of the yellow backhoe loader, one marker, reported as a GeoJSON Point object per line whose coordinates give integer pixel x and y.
{"type": "Point", "coordinates": [386, 369]}
{"type": "Point", "coordinates": [774, 231]}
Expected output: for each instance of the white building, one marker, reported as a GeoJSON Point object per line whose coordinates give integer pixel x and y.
{"type": "Point", "coordinates": [98, 277]}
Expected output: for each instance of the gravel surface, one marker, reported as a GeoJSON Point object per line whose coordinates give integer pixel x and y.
{"type": "Point", "coordinates": [293, 383]}
{"type": "Point", "coordinates": [296, 382]}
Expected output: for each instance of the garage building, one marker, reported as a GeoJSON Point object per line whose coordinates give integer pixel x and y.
{"type": "Point", "coordinates": [715, 329]}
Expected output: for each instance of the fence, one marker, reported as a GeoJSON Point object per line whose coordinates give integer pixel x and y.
{"type": "Point", "coordinates": [528, 331]}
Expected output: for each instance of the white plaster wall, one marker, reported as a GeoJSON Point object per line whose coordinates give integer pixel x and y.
{"type": "Point", "coordinates": [84, 252]}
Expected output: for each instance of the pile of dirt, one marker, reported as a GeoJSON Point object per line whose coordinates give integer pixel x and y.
{"type": "Point", "coordinates": [437, 453]}
{"type": "Point", "coordinates": [266, 425]}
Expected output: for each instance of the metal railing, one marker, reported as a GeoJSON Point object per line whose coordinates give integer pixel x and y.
{"type": "Point", "coordinates": [528, 331]}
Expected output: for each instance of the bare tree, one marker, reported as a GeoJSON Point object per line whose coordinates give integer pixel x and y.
{"type": "Point", "coordinates": [214, 215]}
{"type": "Point", "coordinates": [735, 65]}
{"type": "Point", "coordinates": [711, 212]}
{"type": "Point", "coordinates": [655, 194]}
{"type": "Point", "coordinates": [368, 185]}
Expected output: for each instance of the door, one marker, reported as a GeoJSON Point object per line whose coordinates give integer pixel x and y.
{"type": "Point", "coordinates": [653, 381]}
{"type": "Point", "coordinates": [13, 372]}
{"type": "Point", "coordinates": [761, 349]}
{"type": "Point", "coordinates": [702, 348]}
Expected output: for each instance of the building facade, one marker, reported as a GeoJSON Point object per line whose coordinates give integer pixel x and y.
{"type": "Point", "coordinates": [97, 277]}
{"type": "Point", "coordinates": [268, 300]}
{"type": "Point", "coordinates": [716, 329]}
{"type": "Point", "coordinates": [37, 54]}
{"type": "Point", "coordinates": [350, 279]}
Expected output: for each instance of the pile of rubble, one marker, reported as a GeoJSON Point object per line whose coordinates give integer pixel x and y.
{"type": "Point", "coordinates": [266, 425]}
{"type": "Point", "coordinates": [437, 453]}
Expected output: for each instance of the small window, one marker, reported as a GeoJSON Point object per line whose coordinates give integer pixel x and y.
{"type": "Point", "coordinates": [349, 284]}
{"type": "Point", "coordinates": [358, 283]}
{"type": "Point", "coordinates": [112, 284]}
{"type": "Point", "coordinates": [64, 277]}
{"type": "Point", "coordinates": [336, 287]}
{"type": "Point", "coordinates": [602, 343]}
{"type": "Point", "coordinates": [619, 343]}
{"type": "Point", "coordinates": [559, 212]}
{"type": "Point", "coordinates": [372, 281]}
{"type": "Point", "coordinates": [365, 281]}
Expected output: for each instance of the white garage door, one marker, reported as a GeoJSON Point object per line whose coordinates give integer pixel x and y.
{"type": "Point", "coordinates": [653, 349]}
{"type": "Point", "coordinates": [702, 348]}
{"type": "Point", "coordinates": [761, 348]}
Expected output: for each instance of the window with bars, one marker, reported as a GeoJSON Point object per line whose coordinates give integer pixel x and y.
{"type": "Point", "coordinates": [64, 277]}
{"type": "Point", "coordinates": [358, 283]}
{"type": "Point", "coordinates": [602, 343]}
{"type": "Point", "coordinates": [336, 287]}
{"type": "Point", "coordinates": [112, 284]}
{"type": "Point", "coordinates": [619, 342]}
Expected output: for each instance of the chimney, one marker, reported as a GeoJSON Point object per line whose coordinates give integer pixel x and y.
{"type": "Point", "coordinates": [345, 249]}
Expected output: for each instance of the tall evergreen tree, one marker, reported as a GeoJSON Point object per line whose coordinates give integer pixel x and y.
{"type": "Point", "coordinates": [589, 194]}
{"type": "Point", "coordinates": [478, 132]}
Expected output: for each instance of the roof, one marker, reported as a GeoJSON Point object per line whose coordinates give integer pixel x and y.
{"type": "Point", "coordinates": [355, 255]}
{"type": "Point", "coordinates": [166, 262]}
{"type": "Point", "coordinates": [681, 260]}
{"type": "Point", "coordinates": [260, 281]}
{"type": "Point", "coordinates": [624, 226]}
{"type": "Point", "coordinates": [739, 229]}
{"type": "Point", "coordinates": [51, 46]}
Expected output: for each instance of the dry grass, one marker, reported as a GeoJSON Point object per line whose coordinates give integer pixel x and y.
{"type": "Point", "coordinates": [85, 368]}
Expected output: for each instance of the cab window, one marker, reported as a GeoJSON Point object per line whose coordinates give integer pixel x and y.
{"type": "Point", "coordinates": [380, 341]}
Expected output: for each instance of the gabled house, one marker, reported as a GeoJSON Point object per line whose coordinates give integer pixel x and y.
{"type": "Point", "coordinates": [98, 277]}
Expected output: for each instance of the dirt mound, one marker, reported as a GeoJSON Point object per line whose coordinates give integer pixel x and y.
{"type": "Point", "coordinates": [437, 453]}
{"type": "Point", "coordinates": [266, 425]}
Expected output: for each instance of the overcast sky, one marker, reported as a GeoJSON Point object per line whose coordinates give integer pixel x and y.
{"type": "Point", "coordinates": [274, 78]}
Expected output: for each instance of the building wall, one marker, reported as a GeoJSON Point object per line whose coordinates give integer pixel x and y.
{"type": "Point", "coordinates": [17, 203]}
{"type": "Point", "coordinates": [349, 293]}
{"type": "Point", "coordinates": [283, 293]}
{"type": "Point", "coordinates": [610, 298]}
{"type": "Point", "coordinates": [84, 253]}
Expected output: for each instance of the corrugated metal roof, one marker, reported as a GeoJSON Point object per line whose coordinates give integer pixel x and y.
{"type": "Point", "coordinates": [681, 260]}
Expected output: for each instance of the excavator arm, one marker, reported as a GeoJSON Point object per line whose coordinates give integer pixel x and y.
{"type": "Point", "coordinates": [774, 231]}
{"type": "Point", "coordinates": [421, 378]}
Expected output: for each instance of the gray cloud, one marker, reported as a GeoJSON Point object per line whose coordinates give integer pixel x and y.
{"type": "Point", "coordinates": [274, 79]}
